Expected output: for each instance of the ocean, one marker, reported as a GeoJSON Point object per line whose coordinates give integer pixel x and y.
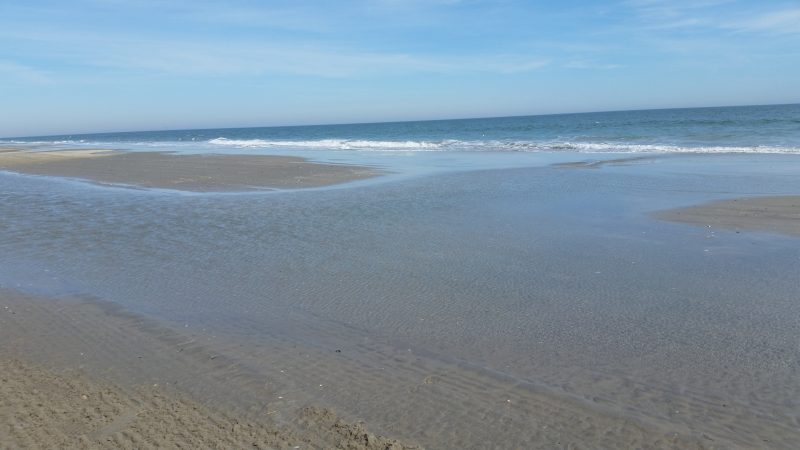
{"type": "Point", "coordinates": [745, 129]}
{"type": "Point", "coordinates": [496, 261]}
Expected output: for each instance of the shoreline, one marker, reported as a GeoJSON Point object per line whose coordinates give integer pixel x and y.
{"type": "Point", "coordinates": [197, 173]}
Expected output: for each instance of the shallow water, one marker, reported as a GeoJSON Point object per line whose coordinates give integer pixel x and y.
{"type": "Point", "coordinates": [555, 277]}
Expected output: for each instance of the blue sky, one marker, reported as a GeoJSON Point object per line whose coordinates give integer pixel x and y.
{"type": "Point", "coordinates": [114, 65]}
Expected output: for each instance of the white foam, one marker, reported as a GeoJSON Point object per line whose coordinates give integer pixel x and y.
{"type": "Point", "coordinates": [419, 146]}
{"type": "Point", "coordinates": [602, 147]}
{"type": "Point", "coordinates": [497, 146]}
{"type": "Point", "coordinates": [61, 142]}
{"type": "Point", "coordinates": [335, 144]}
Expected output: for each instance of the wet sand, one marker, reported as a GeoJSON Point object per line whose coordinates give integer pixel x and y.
{"type": "Point", "coordinates": [561, 317]}
{"type": "Point", "coordinates": [63, 384]}
{"type": "Point", "coordinates": [203, 173]}
{"type": "Point", "coordinates": [85, 374]}
{"type": "Point", "coordinates": [599, 163]}
{"type": "Point", "coordinates": [779, 214]}
{"type": "Point", "coordinates": [46, 409]}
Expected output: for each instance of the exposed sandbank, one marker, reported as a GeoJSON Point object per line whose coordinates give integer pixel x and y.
{"type": "Point", "coordinates": [778, 214]}
{"type": "Point", "coordinates": [183, 172]}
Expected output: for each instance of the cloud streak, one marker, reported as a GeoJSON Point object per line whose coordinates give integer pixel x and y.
{"type": "Point", "coordinates": [23, 73]}
{"type": "Point", "coordinates": [779, 22]}
{"type": "Point", "coordinates": [591, 65]}
{"type": "Point", "coordinates": [246, 58]}
{"type": "Point", "coordinates": [715, 15]}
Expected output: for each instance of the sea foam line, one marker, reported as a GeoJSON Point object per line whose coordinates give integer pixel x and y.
{"type": "Point", "coordinates": [340, 144]}
{"type": "Point", "coordinates": [488, 146]}
{"type": "Point", "coordinates": [497, 146]}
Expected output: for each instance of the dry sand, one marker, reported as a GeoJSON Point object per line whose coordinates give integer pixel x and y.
{"type": "Point", "coordinates": [63, 386]}
{"type": "Point", "coordinates": [182, 172]}
{"type": "Point", "coordinates": [780, 214]}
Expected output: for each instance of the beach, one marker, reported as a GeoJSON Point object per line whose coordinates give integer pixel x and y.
{"type": "Point", "coordinates": [391, 225]}
{"type": "Point", "coordinates": [405, 285]}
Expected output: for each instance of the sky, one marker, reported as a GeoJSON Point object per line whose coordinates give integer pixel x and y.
{"type": "Point", "coordinates": [121, 65]}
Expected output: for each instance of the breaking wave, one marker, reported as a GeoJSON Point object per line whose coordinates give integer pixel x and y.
{"type": "Point", "coordinates": [339, 144]}
{"type": "Point", "coordinates": [494, 146]}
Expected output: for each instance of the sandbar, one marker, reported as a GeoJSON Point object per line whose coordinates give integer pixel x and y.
{"type": "Point", "coordinates": [192, 172]}
{"type": "Point", "coordinates": [775, 214]}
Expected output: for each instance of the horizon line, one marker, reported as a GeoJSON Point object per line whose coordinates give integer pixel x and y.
{"type": "Point", "coordinates": [94, 133]}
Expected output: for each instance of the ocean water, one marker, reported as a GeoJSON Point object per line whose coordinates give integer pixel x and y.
{"type": "Point", "coordinates": [748, 129]}
{"type": "Point", "coordinates": [497, 267]}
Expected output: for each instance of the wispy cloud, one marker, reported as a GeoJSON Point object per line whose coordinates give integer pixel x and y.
{"type": "Point", "coordinates": [314, 16]}
{"type": "Point", "coordinates": [715, 15]}
{"type": "Point", "coordinates": [23, 72]}
{"type": "Point", "coordinates": [662, 13]}
{"type": "Point", "coordinates": [295, 17]}
{"type": "Point", "coordinates": [185, 58]}
{"type": "Point", "coordinates": [681, 23]}
{"type": "Point", "coordinates": [779, 22]}
{"type": "Point", "coordinates": [591, 65]}
{"type": "Point", "coordinates": [243, 57]}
